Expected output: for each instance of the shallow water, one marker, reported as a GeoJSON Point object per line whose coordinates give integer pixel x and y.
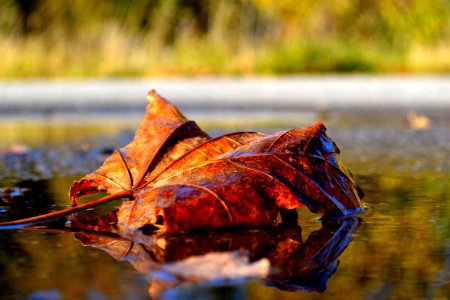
{"type": "Point", "coordinates": [400, 249]}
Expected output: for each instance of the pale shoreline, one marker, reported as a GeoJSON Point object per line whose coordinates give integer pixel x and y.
{"type": "Point", "coordinates": [218, 93]}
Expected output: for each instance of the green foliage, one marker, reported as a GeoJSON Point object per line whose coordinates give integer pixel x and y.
{"type": "Point", "coordinates": [321, 56]}
{"type": "Point", "coordinates": [146, 37]}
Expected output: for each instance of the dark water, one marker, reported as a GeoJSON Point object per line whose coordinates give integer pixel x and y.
{"type": "Point", "coordinates": [400, 248]}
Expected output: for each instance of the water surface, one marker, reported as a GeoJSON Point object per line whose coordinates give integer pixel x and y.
{"type": "Point", "coordinates": [399, 250]}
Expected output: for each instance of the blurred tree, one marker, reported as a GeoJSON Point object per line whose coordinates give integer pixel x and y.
{"type": "Point", "coordinates": [260, 35]}
{"type": "Point", "coordinates": [26, 9]}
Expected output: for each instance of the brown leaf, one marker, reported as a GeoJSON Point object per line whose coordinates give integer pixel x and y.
{"type": "Point", "coordinates": [181, 179]}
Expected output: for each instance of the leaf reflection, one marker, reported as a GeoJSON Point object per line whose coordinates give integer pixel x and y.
{"type": "Point", "coordinates": [296, 265]}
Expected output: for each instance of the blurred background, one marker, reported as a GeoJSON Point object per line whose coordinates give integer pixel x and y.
{"type": "Point", "coordinates": [142, 38]}
{"type": "Point", "coordinates": [73, 80]}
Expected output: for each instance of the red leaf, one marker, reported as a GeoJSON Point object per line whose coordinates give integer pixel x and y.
{"type": "Point", "coordinates": [181, 179]}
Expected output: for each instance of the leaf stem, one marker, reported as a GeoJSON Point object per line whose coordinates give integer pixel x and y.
{"type": "Point", "coordinates": [41, 218]}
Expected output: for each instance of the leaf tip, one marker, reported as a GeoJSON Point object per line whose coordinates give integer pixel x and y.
{"type": "Point", "coordinates": [320, 125]}
{"type": "Point", "coordinates": [151, 95]}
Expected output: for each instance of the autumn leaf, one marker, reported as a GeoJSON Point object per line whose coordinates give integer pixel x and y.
{"type": "Point", "coordinates": [179, 178]}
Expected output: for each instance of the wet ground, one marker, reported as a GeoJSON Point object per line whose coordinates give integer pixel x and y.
{"type": "Point", "coordinates": [400, 249]}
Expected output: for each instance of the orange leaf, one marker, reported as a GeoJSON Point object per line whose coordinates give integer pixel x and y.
{"type": "Point", "coordinates": [181, 179]}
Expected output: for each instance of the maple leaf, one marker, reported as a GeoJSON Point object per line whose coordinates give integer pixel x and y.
{"type": "Point", "coordinates": [180, 178]}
